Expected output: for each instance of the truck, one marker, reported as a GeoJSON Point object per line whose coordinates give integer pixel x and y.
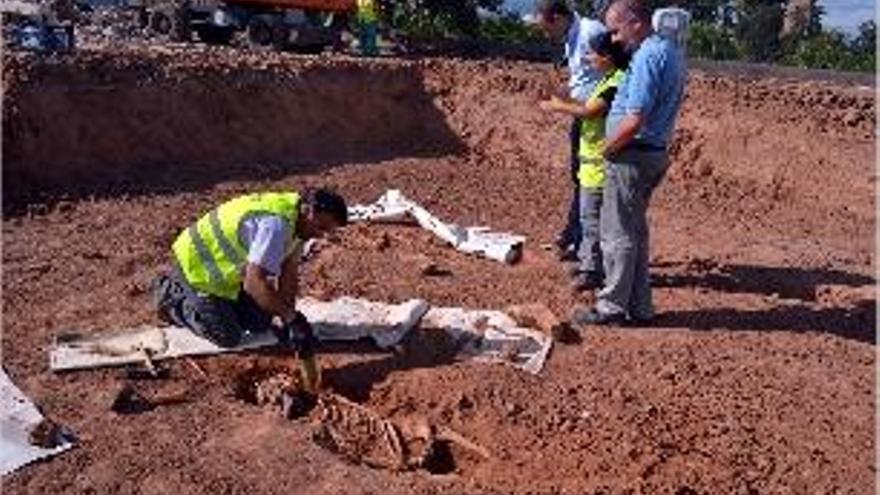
{"type": "Point", "coordinates": [38, 26]}
{"type": "Point", "coordinates": [303, 25]}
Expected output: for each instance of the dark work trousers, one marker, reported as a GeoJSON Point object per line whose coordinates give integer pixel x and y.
{"type": "Point", "coordinates": [222, 321]}
{"type": "Point", "coordinates": [571, 234]}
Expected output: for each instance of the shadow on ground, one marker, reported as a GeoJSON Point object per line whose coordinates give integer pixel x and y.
{"type": "Point", "coordinates": [789, 283]}
{"type": "Point", "coordinates": [852, 323]}
{"type": "Point", "coordinates": [797, 289]}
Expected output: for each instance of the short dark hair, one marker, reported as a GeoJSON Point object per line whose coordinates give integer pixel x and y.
{"type": "Point", "coordinates": [604, 45]}
{"type": "Point", "coordinates": [330, 203]}
{"type": "Point", "coordinates": [554, 8]}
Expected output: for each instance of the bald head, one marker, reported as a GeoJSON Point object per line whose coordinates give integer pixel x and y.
{"type": "Point", "coordinates": [633, 8]}
{"type": "Point", "coordinates": [629, 21]}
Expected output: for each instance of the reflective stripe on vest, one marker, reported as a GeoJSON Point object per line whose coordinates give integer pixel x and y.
{"type": "Point", "coordinates": [210, 252]}
{"type": "Point", "coordinates": [591, 173]}
{"type": "Point", "coordinates": [366, 11]}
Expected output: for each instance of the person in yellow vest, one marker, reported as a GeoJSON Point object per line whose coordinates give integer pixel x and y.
{"type": "Point", "coordinates": [368, 20]}
{"type": "Point", "coordinates": [236, 268]}
{"type": "Point", "coordinates": [610, 59]}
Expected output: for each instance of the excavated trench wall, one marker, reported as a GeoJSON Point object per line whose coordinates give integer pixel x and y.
{"type": "Point", "coordinates": [169, 119]}
{"type": "Point", "coordinates": [117, 122]}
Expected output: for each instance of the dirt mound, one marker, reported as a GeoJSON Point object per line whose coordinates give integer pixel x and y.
{"type": "Point", "coordinates": [758, 377]}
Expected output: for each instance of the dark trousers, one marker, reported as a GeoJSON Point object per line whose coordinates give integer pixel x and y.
{"type": "Point", "coordinates": [222, 321]}
{"type": "Point", "coordinates": [572, 233]}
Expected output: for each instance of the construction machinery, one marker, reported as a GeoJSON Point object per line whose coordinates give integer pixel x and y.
{"type": "Point", "coordinates": [304, 25]}
{"type": "Point", "coordinates": [38, 26]}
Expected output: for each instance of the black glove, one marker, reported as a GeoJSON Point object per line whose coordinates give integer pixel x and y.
{"type": "Point", "coordinates": [298, 334]}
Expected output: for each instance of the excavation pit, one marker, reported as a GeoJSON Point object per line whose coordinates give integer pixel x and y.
{"type": "Point", "coordinates": [748, 189]}
{"type": "Point", "coordinates": [274, 388]}
{"type": "Point", "coordinates": [355, 432]}
{"type": "Point", "coordinates": [360, 435]}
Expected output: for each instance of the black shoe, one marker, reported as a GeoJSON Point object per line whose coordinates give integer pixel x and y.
{"type": "Point", "coordinates": [584, 317]}
{"type": "Point", "coordinates": [639, 322]}
{"type": "Point", "coordinates": [562, 242]}
{"type": "Point", "coordinates": [587, 281]}
{"type": "Point", "coordinates": [574, 269]}
{"type": "Point", "coordinates": [568, 253]}
{"type": "Point", "coordinates": [161, 298]}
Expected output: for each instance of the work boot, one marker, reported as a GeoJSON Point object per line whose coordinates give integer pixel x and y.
{"type": "Point", "coordinates": [590, 316]}
{"type": "Point", "coordinates": [567, 253]}
{"type": "Point", "coordinates": [582, 281]}
{"type": "Point", "coordinates": [162, 291]}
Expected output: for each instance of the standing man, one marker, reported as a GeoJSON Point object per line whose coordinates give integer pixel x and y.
{"type": "Point", "coordinates": [237, 267]}
{"type": "Point", "coordinates": [638, 131]}
{"type": "Point", "coordinates": [368, 20]}
{"type": "Point", "coordinates": [562, 24]}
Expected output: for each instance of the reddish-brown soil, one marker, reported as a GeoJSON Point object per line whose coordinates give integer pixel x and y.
{"type": "Point", "coordinates": [758, 379]}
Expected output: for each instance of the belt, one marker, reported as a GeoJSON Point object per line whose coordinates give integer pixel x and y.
{"type": "Point", "coordinates": [643, 146]}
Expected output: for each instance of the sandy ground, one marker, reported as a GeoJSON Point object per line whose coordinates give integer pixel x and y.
{"type": "Point", "coordinates": [757, 379]}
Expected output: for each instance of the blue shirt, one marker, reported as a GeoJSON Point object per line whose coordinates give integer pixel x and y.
{"type": "Point", "coordinates": [583, 77]}
{"type": "Point", "coordinates": [654, 87]}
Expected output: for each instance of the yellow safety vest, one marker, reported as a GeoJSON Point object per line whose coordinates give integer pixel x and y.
{"type": "Point", "coordinates": [591, 173]}
{"type": "Point", "coordinates": [366, 11]}
{"type": "Point", "coordinates": [210, 253]}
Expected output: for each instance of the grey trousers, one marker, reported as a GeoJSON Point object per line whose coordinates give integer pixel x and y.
{"type": "Point", "coordinates": [630, 181]}
{"type": "Point", "coordinates": [219, 320]}
{"type": "Point", "coordinates": [589, 251]}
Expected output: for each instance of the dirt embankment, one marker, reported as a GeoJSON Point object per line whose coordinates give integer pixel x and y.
{"type": "Point", "coordinates": [104, 121]}
{"type": "Point", "coordinates": [759, 377]}
{"type": "Point", "coordinates": [118, 121]}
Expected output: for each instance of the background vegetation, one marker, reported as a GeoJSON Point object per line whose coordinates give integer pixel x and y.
{"type": "Point", "coordinates": [764, 31]}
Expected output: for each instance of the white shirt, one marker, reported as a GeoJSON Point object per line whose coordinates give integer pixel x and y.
{"type": "Point", "coordinates": [269, 241]}
{"type": "Point", "coordinates": [583, 78]}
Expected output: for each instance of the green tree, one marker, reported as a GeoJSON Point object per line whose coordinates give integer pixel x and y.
{"type": "Point", "coordinates": [510, 29]}
{"type": "Point", "coordinates": [866, 41]}
{"type": "Point", "coordinates": [711, 41]}
{"type": "Point", "coordinates": [709, 11]}
{"type": "Point", "coordinates": [757, 30]}
{"type": "Point", "coordinates": [865, 47]}
{"type": "Point", "coordinates": [826, 50]}
{"type": "Point", "coordinates": [436, 18]}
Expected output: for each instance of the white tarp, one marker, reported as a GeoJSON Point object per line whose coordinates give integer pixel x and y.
{"type": "Point", "coordinates": [343, 319]}
{"type": "Point", "coordinates": [348, 318]}
{"type": "Point", "coordinates": [18, 417]}
{"type": "Point", "coordinates": [492, 336]}
{"type": "Point", "coordinates": [130, 346]}
{"type": "Point", "coordinates": [485, 335]}
{"type": "Point", "coordinates": [394, 207]}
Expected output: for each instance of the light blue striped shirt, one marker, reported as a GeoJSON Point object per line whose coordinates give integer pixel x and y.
{"type": "Point", "coordinates": [654, 87]}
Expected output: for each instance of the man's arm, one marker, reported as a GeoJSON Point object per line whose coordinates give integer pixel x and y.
{"type": "Point", "coordinates": [624, 134]}
{"type": "Point", "coordinates": [288, 283]}
{"type": "Point", "coordinates": [592, 109]}
{"type": "Point", "coordinates": [266, 263]}
{"type": "Point", "coordinates": [260, 286]}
